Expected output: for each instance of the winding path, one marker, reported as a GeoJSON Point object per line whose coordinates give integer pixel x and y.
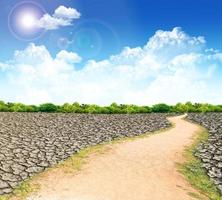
{"type": "Point", "coordinates": [142, 169]}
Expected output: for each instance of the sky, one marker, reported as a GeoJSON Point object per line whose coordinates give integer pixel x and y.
{"type": "Point", "coordinates": [126, 51]}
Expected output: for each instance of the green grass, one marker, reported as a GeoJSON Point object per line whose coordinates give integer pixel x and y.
{"type": "Point", "coordinates": [21, 192]}
{"type": "Point", "coordinates": [194, 172]}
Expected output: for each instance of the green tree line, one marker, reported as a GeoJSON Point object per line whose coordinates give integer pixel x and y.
{"type": "Point", "coordinates": [112, 109]}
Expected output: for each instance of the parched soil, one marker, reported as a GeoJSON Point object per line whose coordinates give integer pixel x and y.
{"type": "Point", "coordinates": [32, 142]}
{"type": "Point", "coordinates": [210, 153]}
{"type": "Point", "coordinates": [142, 169]}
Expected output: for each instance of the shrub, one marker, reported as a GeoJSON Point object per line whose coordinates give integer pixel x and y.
{"type": "Point", "coordinates": [48, 107]}
{"type": "Point", "coordinates": [181, 108]}
{"type": "Point", "coordinates": [144, 109]}
{"type": "Point", "coordinates": [3, 107]}
{"type": "Point", "coordinates": [31, 108]}
{"type": "Point", "coordinates": [18, 107]}
{"type": "Point", "coordinates": [93, 109]}
{"type": "Point", "coordinates": [161, 108]}
{"type": "Point", "coordinates": [67, 108]}
{"type": "Point", "coordinates": [114, 108]}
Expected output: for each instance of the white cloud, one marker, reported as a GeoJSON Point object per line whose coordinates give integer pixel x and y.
{"type": "Point", "coordinates": [168, 44]}
{"type": "Point", "coordinates": [67, 13]}
{"type": "Point", "coordinates": [68, 57]}
{"type": "Point", "coordinates": [171, 67]}
{"type": "Point", "coordinates": [32, 55]}
{"type": "Point", "coordinates": [176, 38]}
{"type": "Point", "coordinates": [62, 17]}
{"type": "Point", "coordinates": [4, 66]}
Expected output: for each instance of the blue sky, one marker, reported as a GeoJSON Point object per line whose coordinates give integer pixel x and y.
{"type": "Point", "coordinates": [87, 42]}
{"type": "Point", "coordinates": [121, 23]}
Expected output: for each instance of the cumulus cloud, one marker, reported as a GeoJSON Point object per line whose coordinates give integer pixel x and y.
{"type": "Point", "coordinates": [62, 16]}
{"type": "Point", "coordinates": [68, 57]}
{"type": "Point", "coordinates": [4, 66]}
{"type": "Point", "coordinates": [172, 67]}
{"type": "Point", "coordinates": [66, 13]}
{"type": "Point", "coordinates": [177, 41]}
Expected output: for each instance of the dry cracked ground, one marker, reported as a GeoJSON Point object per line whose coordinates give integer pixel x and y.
{"type": "Point", "coordinates": [210, 153]}
{"type": "Point", "coordinates": [32, 142]}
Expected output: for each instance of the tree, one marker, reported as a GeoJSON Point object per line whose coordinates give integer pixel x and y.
{"type": "Point", "coordinates": [144, 109]}
{"type": "Point", "coordinates": [67, 108]}
{"type": "Point", "coordinates": [114, 108]}
{"type": "Point", "coordinates": [3, 107]}
{"type": "Point", "coordinates": [181, 108]}
{"type": "Point", "coordinates": [31, 108]}
{"type": "Point", "coordinates": [93, 109]}
{"type": "Point", "coordinates": [161, 108]}
{"type": "Point", "coordinates": [18, 107]}
{"type": "Point", "coordinates": [47, 107]}
{"type": "Point", "coordinates": [190, 107]}
{"type": "Point", "coordinates": [217, 108]}
{"type": "Point", "coordinates": [204, 108]}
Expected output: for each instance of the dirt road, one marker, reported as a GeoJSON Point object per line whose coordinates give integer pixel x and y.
{"type": "Point", "coordinates": [142, 169]}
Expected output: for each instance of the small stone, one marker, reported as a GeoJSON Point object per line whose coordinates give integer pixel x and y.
{"type": "Point", "coordinates": [1, 192]}
{"type": "Point", "coordinates": [24, 175]}
{"type": "Point", "coordinates": [43, 164]}
{"type": "Point", "coordinates": [33, 169]}
{"type": "Point", "coordinates": [3, 184]}
{"type": "Point", "coordinates": [219, 164]}
{"type": "Point", "coordinates": [218, 158]}
{"type": "Point", "coordinates": [7, 190]}
{"type": "Point", "coordinates": [9, 177]}
{"type": "Point", "coordinates": [13, 184]}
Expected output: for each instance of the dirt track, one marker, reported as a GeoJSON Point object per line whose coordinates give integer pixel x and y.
{"type": "Point", "coordinates": [143, 169]}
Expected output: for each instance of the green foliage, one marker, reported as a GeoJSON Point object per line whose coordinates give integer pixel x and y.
{"type": "Point", "coordinates": [3, 107]}
{"type": "Point", "coordinates": [181, 108]}
{"type": "Point", "coordinates": [32, 108]}
{"type": "Point", "coordinates": [48, 107]}
{"type": "Point", "coordinates": [114, 108]}
{"type": "Point", "coordinates": [18, 107]}
{"type": "Point", "coordinates": [161, 108]}
{"type": "Point", "coordinates": [92, 109]}
{"type": "Point", "coordinates": [70, 108]}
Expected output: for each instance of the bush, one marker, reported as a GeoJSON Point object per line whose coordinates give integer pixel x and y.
{"type": "Point", "coordinates": [18, 107]}
{"type": "Point", "coordinates": [3, 107]}
{"type": "Point", "coordinates": [181, 108]}
{"type": "Point", "coordinates": [93, 109]}
{"type": "Point", "coordinates": [161, 108]}
{"type": "Point", "coordinates": [69, 108]}
{"type": "Point", "coordinates": [114, 108]}
{"type": "Point", "coordinates": [144, 109]}
{"type": "Point", "coordinates": [48, 107]}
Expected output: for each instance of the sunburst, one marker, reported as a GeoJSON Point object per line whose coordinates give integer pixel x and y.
{"type": "Point", "coordinates": [23, 20]}
{"type": "Point", "coordinates": [28, 21]}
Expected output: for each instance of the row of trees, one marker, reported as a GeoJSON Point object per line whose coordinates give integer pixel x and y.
{"type": "Point", "coordinates": [112, 109]}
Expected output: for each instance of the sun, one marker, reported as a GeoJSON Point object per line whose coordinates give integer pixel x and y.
{"type": "Point", "coordinates": [23, 20]}
{"type": "Point", "coordinates": [28, 21]}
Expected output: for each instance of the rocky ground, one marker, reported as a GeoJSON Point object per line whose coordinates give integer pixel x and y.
{"type": "Point", "coordinates": [31, 142]}
{"type": "Point", "coordinates": [211, 152]}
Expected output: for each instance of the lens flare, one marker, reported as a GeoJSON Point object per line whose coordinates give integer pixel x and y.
{"type": "Point", "coordinates": [63, 43]}
{"type": "Point", "coordinates": [88, 37]}
{"type": "Point", "coordinates": [28, 21]}
{"type": "Point", "coordinates": [87, 40]}
{"type": "Point", "coordinates": [22, 21]}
